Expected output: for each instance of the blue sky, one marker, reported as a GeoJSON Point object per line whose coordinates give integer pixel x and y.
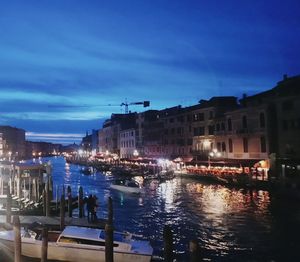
{"type": "Point", "coordinates": [56, 54]}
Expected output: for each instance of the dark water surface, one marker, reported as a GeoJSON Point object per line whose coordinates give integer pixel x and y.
{"type": "Point", "coordinates": [230, 224]}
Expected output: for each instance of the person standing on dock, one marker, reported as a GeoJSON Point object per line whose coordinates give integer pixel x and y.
{"type": "Point", "coordinates": [94, 209]}
{"type": "Point", "coordinates": [89, 207]}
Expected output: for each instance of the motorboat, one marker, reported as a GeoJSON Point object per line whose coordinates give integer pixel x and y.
{"type": "Point", "coordinates": [77, 244]}
{"type": "Point", "coordinates": [127, 185]}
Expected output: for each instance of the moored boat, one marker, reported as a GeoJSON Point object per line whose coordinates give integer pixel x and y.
{"type": "Point", "coordinates": [127, 185]}
{"type": "Point", "coordinates": [78, 244]}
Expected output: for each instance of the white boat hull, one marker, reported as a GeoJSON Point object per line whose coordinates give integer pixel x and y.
{"type": "Point", "coordinates": [127, 189]}
{"type": "Point", "coordinates": [69, 251]}
{"type": "Point", "coordinates": [74, 254]}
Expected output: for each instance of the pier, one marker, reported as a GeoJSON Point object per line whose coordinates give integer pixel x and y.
{"type": "Point", "coordinates": [54, 222]}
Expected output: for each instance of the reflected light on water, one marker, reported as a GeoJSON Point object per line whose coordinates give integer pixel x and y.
{"type": "Point", "coordinates": [166, 191]}
{"type": "Point", "coordinates": [229, 223]}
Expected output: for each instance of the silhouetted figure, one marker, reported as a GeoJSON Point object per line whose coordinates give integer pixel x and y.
{"type": "Point", "coordinates": [89, 208]}
{"type": "Point", "coordinates": [94, 209]}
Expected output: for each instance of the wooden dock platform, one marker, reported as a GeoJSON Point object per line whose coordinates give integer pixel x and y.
{"type": "Point", "coordinates": [54, 222]}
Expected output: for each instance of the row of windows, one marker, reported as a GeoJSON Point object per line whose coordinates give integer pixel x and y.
{"type": "Point", "coordinates": [263, 145]}
{"type": "Point", "coordinates": [221, 146]}
{"type": "Point", "coordinates": [129, 143]}
{"type": "Point", "coordinates": [163, 150]}
{"type": "Point", "coordinates": [127, 134]}
{"type": "Point", "coordinates": [291, 124]}
{"type": "Point", "coordinates": [200, 131]}
{"type": "Point", "coordinates": [190, 118]}
{"type": "Point", "coordinates": [262, 123]}
{"type": "Point", "coordinates": [179, 142]}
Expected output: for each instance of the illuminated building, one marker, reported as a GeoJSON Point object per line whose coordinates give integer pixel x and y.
{"type": "Point", "coordinates": [14, 142]}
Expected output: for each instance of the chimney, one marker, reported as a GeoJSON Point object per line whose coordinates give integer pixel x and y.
{"type": "Point", "coordinates": [285, 77]}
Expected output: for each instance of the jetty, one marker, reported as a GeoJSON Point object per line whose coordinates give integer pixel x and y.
{"type": "Point", "coordinates": [54, 222]}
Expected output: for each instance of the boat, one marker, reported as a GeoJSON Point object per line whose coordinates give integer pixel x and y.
{"type": "Point", "coordinates": [86, 170]}
{"type": "Point", "coordinates": [77, 244]}
{"type": "Point", "coordinates": [166, 175]}
{"type": "Point", "coordinates": [127, 185]}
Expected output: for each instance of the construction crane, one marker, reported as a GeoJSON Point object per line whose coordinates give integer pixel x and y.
{"type": "Point", "coordinates": [144, 103]}
{"type": "Point", "coordinates": [126, 104]}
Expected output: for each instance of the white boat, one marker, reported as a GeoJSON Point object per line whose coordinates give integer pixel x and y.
{"type": "Point", "coordinates": [127, 185]}
{"type": "Point", "coordinates": [77, 244]}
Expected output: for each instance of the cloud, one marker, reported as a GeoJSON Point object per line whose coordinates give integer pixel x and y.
{"type": "Point", "coordinates": [54, 137]}
{"type": "Point", "coordinates": [72, 53]}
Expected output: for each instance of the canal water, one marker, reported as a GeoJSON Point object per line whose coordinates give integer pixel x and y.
{"type": "Point", "coordinates": [230, 224]}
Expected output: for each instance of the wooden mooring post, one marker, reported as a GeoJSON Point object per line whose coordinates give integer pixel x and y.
{"type": "Point", "coordinates": [80, 202]}
{"type": "Point", "coordinates": [17, 232]}
{"type": "Point", "coordinates": [109, 232]}
{"type": "Point", "coordinates": [69, 201]}
{"type": "Point", "coordinates": [62, 212]}
{"type": "Point", "coordinates": [8, 206]}
{"type": "Point", "coordinates": [194, 248]}
{"type": "Point", "coordinates": [168, 244]}
{"type": "Point", "coordinates": [44, 251]}
{"type": "Point", "coordinates": [47, 189]}
{"type": "Point", "coordinates": [44, 202]}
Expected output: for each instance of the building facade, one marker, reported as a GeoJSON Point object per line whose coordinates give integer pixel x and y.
{"type": "Point", "coordinates": [128, 143]}
{"type": "Point", "coordinates": [260, 128]}
{"type": "Point", "coordinates": [14, 142]}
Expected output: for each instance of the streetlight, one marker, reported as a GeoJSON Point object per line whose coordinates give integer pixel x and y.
{"type": "Point", "coordinates": [214, 153]}
{"type": "Point", "coordinates": [9, 155]}
{"type": "Point", "coordinates": [135, 153]}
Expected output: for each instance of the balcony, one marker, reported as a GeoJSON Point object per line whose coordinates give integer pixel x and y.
{"type": "Point", "coordinates": [244, 131]}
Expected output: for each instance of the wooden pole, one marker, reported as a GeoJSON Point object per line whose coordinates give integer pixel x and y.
{"type": "Point", "coordinates": [24, 187]}
{"type": "Point", "coordinates": [50, 187]}
{"type": "Point", "coordinates": [17, 232]}
{"type": "Point", "coordinates": [56, 198]}
{"type": "Point", "coordinates": [109, 232]}
{"type": "Point", "coordinates": [109, 243]}
{"type": "Point", "coordinates": [80, 202]}
{"type": "Point", "coordinates": [38, 189]}
{"type": "Point", "coordinates": [69, 201]}
{"type": "Point", "coordinates": [195, 254]}
{"type": "Point", "coordinates": [62, 212]}
{"type": "Point", "coordinates": [44, 252]}
{"type": "Point", "coordinates": [8, 206]}
{"type": "Point", "coordinates": [44, 202]}
{"type": "Point", "coordinates": [30, 189]}
{"type": "Point", "coordinates": [168, 244]}
{"type": "Point", "coordinates": [48, 198]}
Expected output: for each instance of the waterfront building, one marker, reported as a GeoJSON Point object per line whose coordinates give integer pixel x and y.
{"type": "Point", "coordinates": [36, 149]}
{"type": "Point", "coordinates": [95, 141]}
{"type": "Point", "coordinates": [241, 137]}
{"type": "Point", "coordinates": [172, 135]}
{"type": "Point", "coordinates": [206, 121]}
{"type": "Point", "coordinates": [282, 119]}
{"type": "Point", "coordinates": [105, 137]}
{"type": "Point", "coordinates": [259, 131]}
{"type": "Point", "coordinates": [14, 145]}
{"type": "Point", "coordinates": [109, 135]}
{"type": "Point", "coordinates": [128, 143]}
{"type": "Point", "coordinates": [86, 144]}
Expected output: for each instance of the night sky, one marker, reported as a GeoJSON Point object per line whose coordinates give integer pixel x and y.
{"type": "Point", "coordinates": [56, 55]}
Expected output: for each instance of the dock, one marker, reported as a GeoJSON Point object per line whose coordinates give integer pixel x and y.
{"type": "Point", "coordinates": [54, 222]}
